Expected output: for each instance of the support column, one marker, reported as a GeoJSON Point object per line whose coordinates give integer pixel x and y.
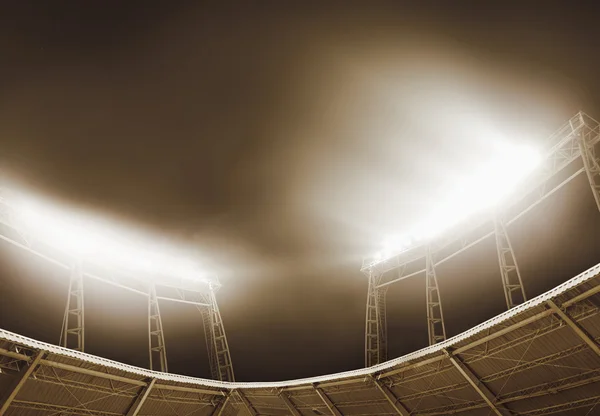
{"type": "Point", "coordinates": [514, 292]}
{"type": "Point", "coordinates": [221, 367]}
{"type": "Point", "coordinates": [435, 316]}
{"type": "Point", "coordinates": [334, 410]}
{"type": "Point", "coordinates": [156, 339]}
{"type": "Point", "coordinates": [73, 335]}
{"type": "Point", "coordinates": [22, 378]}
{"type": "Point", "coordinates": [135, 408]}
{"type": "Point", "coordinates": [581, 333]}
{"type": "Point", "coordinates": [587, 134]}
{"type": "Point", "coordinates": [289, 404]}
{"type": "Point", "coordinates": [391, 398]}
{"type": "Point", "coordinates": [375, 323]}
{"type": "Point", "coordinates": [477, 385]}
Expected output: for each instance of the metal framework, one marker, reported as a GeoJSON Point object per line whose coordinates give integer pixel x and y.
{"type": "Point", "coordinates": [221, 367]}
{"type": "Point", "coordinates": [541, 357]}
{"type": "Point", "coordinates": [514, 292]}
{"type": "Point", "coordinates": [376, 326]}
{"type": "Point", "coordinates": [72, 336]}
{"type": "Point", "coordinates": [156, 337]}
{"type": "Point", "coordinates": [436, 329]}
{"type": "Point", "coordinates": [575, 140]}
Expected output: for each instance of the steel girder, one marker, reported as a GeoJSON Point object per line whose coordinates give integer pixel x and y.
{"type": "Point", "coordinates": [327, 401]}
{"type": "Point", "coordinates": [376, 325]}
{"type": "Point", "coordinates": [396, 404]}
{"type": "Point", "coordinates": [73, 335]}
{"type": "Point", "coordinates": [221, 366]}
{"type": "Point", "coordinates": [139, 401]}
{"type": "Point", "coordinates": [509, 269]}
{"type": "Point", "coordinates": [157, 349]}
{"type": "Point", "coordinates": [23, 376]}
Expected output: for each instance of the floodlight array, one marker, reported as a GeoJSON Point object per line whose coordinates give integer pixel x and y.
{"type": "Point", "coordinates": [91, 238]}
{"type": "Point", "coordinates": [483, 190]}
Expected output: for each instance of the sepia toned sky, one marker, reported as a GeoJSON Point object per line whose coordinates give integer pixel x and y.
{"type": "Point", "coordinates": [282, 141]}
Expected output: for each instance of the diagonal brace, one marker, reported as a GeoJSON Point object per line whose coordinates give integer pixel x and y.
{"type": "Point", "coordinates": [220, 407]}
{"type": "Point", "coordinates": [477, 385]}
{"type": "Point", "coordinates": [23, 376]}
{"type": "Point", "coordinates": [391, 398]}
{"type": "Point", "coordinates": [289, 404]}
{"type": "Point", "coordinates": [247, 403]}
{"type": "Point", "coordinates": [581, 333]}
{"type": "Point", "coordinates": [334, 410]}
{"type": "Point", "coordinates": [136, 406]}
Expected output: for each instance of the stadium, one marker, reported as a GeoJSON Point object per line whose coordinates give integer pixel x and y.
{"type": "Point", "coordinates": [541, 356]}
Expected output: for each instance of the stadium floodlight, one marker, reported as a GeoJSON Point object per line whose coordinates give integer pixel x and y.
{"type": "Point", "coordinates": [482, 190]}
{"type": "Point", "coordinates": [90, 238]}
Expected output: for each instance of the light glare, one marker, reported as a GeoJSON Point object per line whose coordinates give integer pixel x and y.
{"type": "Point", "coordinates": [482, 190]}
{"type": "Point", "coordinates": [88, 239]}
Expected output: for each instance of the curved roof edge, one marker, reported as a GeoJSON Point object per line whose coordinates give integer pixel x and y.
{"type": "Point", "coordinates": [582, 277]}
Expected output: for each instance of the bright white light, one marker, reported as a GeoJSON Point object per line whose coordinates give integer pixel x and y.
{"type": "Point", "coordinates": [87, 238]}
{"type": "Point", "coordinates": [483, 189]}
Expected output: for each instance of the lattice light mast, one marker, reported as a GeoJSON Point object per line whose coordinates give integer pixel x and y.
{"type": "Point", "coordinates": [198, 292]}
{"type": "Point", "coordinates": [376, 327]}
{"type": "Point", "coordinates": [73, 335]}
{"type": "Point", "coordinates": [514, 292]}
{"type": "Point", "coordinates": [575, 140]}
{"type": "Point", "coordinates": [436, 328]}
{"type": "Point", "coordinates": [219, 357]}
{"type": "Point", "coordinates": [156, 336]}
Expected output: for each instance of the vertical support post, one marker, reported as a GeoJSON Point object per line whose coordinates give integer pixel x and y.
{"type": "Point", "coordinates": [435, 316]}
{"type": "Point", "coordinates": [23, 376]}
{"type": "Point", "coordinates": [586, 135]}
{"type": "Point", "coordinates": [73, 335]}
{"type": "Point", "coordinates": [375, 322]}
{"type": "Point", "coordinates": [221, 366]}
{"type": "Point", "coordinates": [509, 270]}
{"type": "Point", "coordinates": [156, 339]}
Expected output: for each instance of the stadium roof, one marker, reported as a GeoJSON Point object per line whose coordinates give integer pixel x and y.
{"type": "Point", "coordinates": [541, 357]}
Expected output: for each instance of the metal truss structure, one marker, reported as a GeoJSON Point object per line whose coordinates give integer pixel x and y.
{"type": "Point", "coordinates": [375, 322]}
{"type": "Point", "coordinates": [73, 335]}
{"type": "Point", "coordinates": [200, 293]}
{"type": "Point", "coordinates": [436, 329]}
{"type": "Point", "coordinates": [158, 349]}
{"type": "Point", "coordinates": [541, 357]}
{"type": "Point", "coordinates": [577, 140]}
{"type": "Point", "coordinates": [221, 367]}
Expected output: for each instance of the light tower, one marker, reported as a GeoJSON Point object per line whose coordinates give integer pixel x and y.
{"type": "Point", "coordinates": [575, 141]}
{"type": "Point", "coordinates": [156, 286]}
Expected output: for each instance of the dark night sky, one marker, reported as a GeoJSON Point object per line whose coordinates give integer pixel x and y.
{"type": "Point", "coordinates": [283, 142]}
